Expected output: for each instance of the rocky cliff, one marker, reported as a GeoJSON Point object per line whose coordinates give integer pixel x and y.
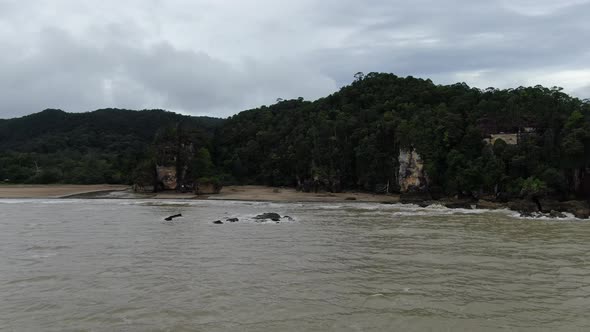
{"type": "Point", "coordinates": [412, 177]}
{"type": "Point", "coordinates": [166, 177]}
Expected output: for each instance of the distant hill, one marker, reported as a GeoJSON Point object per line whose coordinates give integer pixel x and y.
{"type": "Point", "coordinates": [94, 147]}
{"type": "Point", "coordinates": [350, 139]}
{"type": "Point", "coordinates": [107, 129]}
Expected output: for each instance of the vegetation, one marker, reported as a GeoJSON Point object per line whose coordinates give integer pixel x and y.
{"type": "Point", "coordinates": [350, 139]}
{"type": "Point", "coordinates": [105, 146]}
{"type": "Point", "coordinates": [354, 137]}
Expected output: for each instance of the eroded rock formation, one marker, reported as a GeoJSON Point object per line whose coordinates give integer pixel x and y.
{"type": "Point", "coordinates": [412, 177]}
{"type": "Point", "coordinates": [167, 177]}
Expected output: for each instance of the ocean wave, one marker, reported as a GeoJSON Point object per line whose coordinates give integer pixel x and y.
{"type": "Point", "coordinates": [568, 217]}
{"type": "Point", "coordinates": [41, 248]}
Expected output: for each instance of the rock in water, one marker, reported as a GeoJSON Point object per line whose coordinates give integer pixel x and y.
{"type": "Point", "coordinates": [172, 217]}
{"type": "Point", "coordinates": [269, 215]}
{"type": "Point", "coordinates": [556, 214]}
{"type": "Point", "coordinates": [218, 222]}
{"type": "Point", "coordinates": [233, 219]}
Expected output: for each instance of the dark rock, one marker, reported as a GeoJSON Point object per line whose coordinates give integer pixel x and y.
{"type": "Point", "coordinates": [172, 217]}
{"type": "Point", "coordinates": [218, 222]}
{"type": "Point", "coordinates": [556, 214]}
{"type": "Point", "coordinates": [424, 204]}
{"type": "Point", "coordinates": [458, 204]}
{"type": "Point", "coordinates": [502, 197]}
{"type": "Point", "coordinates": [350, 198]}
{"type": "Point", "coordinates": [269, 215]}
{"type": "Point", "coordinates": [550, 204]}
{"type": "Point", "coordinates": [580, 209]}
{"type": "Point", "coordinates": [233, 219]}
{"type": "Point", "coordinates": [523, 206]}
{"type": "Point", "coordinates": [415, 197]}
{"type": "Point", "coordinates": [489, 205]}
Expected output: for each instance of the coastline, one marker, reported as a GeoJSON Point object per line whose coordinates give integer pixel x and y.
{"type": "Point", "coordinates": [234, 193]}
{"type": "Point", "coordinates": [54, 190]}
{"type": "Point", "coordinates": [552, 209]}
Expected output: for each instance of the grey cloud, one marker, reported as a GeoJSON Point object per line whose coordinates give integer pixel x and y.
{"type": "Point", "coordinates": [77, 75]}
{"type": "Point", "coordinates": [430, 39]}
{"type": "Point", "coordinates": [217, 58]}
{"type": "Point", "coordinates": [583, 92]}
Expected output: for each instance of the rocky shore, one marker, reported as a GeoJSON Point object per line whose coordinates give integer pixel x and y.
{"type": "Point", "coordinates": [543, 207]}
{"type": "Point", "coordinates": [526, 207]}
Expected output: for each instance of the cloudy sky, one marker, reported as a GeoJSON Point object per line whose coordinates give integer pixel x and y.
{"type": "Point", "coordinates": [218, 57]}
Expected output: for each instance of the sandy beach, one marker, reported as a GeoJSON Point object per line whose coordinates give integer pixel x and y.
{"type": "Point", "coordinates": [54, 191]}
{"type": "Point", "coordinates": [240, 193]}
{"type": "Point", "coordinates": [261, 193]}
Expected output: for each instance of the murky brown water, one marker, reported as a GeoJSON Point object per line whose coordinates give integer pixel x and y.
{"type": "Point", "coordinates": [114, 265]}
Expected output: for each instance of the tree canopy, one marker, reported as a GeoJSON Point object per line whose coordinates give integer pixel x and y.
{"type": "Point", "coordinates": [351, 138]}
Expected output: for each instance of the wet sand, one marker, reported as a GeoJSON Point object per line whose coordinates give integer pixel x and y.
{"type": "Point", "coordinates": [261, 193]}
{"type": "Point", "coordinates": [54, 190]}
{"type": "Point", "coordinates": [237, 193]}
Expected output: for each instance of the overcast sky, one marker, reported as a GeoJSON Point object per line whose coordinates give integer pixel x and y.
{"type": "Point", "coordinates": [218, 57]}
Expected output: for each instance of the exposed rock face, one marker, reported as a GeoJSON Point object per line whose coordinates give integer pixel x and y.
{"type": "Point", "coordinates": [581, 182]}
{"type": "Point", "coordinates": [510, 139]}
{"type": "Point", "coordinates": [412, 177]}
{"type": "Point", "coordinates": [167, 177]}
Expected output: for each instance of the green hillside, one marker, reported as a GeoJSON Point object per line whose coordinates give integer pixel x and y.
{"type": "Point", "coordinates": [103, 146]}
{"type": "Point", "coordinates": [348, 140]}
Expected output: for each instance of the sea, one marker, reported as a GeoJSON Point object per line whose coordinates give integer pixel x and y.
{"type": "Point", "coordinates": [118, 265]}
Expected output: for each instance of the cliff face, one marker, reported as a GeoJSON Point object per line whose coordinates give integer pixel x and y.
{"type": "Point", "coordinates": [167, 177]}
{"type": "Point", "coordinates": [412, 177]}
{"type": "Point", "coordinates": [581, 182]}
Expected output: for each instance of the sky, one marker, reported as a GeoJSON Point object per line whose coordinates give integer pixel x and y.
{"type": "Point", "coordinates": [219, 57]}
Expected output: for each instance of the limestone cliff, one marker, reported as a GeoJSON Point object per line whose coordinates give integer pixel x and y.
{"type": "Point", "coordinates": [167, 177]}
{"type": "Point", "coordinates": [412, 177]}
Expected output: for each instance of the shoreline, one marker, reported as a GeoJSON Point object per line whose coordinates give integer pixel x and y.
{"type": "Point", "coordinates": [31, 191]}
{"type": "Point", "coordinates": [551, 208]}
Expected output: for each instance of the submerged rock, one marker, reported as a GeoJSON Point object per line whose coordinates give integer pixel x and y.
{"type": "Point", "coordinates": [268, 215]}
{"type": "Point", "coordinates": [172, 217]}
{"type": "Point", "coordinates": [580, 209]}
{"type": "Point", "coordinates": [233, 219]}
{"type": "Point", "coordinates": [525, 207]}
{"type": "Point", "coordinates": [556, 214]}
{"type": "Point", "coordinates": [459, 204]}
{"type": "Point", "coordinates": [422, 199]}
{"type": "Point", "coordinates": [489, 205]}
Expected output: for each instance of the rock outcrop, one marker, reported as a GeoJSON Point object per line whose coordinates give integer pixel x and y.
{"type": "Point", "coordinates": [268, 215]}
{"type": "Point", "coordinates": [166, 177]}
{"type": "Point", "coordinates": [412, 177]}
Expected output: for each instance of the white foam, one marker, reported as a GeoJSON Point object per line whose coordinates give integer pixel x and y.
{"type": "Point", "coordinates": [538, 216]}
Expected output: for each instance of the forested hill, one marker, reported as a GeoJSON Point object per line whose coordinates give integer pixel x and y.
{"type": "Point", "coordinates": [350, 139]}
{"type": "Point", "coordinates": [103, 146]}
